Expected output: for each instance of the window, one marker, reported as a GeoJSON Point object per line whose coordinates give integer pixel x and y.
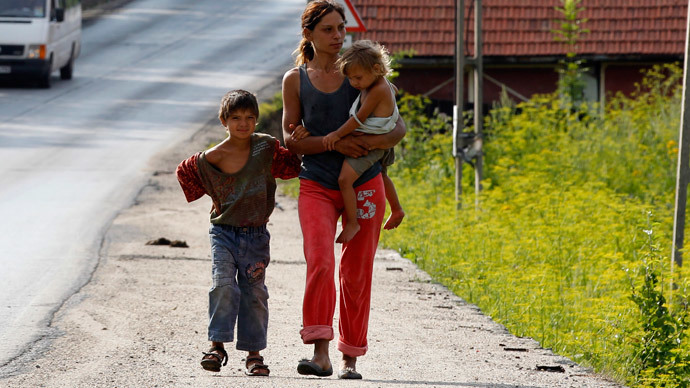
{"type": "Point", "coordinates": [23, 8]}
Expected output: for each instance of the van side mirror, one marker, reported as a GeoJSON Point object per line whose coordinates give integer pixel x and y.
{"type": "Point", "coordinates": [60, 14]}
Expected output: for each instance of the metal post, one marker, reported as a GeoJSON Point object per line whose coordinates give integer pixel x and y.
{"type": "Point", "coordinates": [683, 173]}
{"type": "Point", "coordinates": [478, 97]}
{"type": "Point", "coordinates": [459, 97]}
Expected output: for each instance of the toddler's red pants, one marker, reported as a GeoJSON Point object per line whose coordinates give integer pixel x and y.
{"type": "Point", "coordinates": [319, 210]}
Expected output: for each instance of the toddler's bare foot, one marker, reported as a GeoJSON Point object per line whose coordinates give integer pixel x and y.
{"type": "Point", "coordinates": [394, 219]}
{"type": "Point", "coordinates": [349, 231]}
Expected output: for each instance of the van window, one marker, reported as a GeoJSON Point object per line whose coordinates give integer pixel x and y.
{"type": "Point", "coordinates": [23, 8]}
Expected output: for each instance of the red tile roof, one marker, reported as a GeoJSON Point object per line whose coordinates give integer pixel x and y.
{"type": "Point", "coordinates": [523, 27]}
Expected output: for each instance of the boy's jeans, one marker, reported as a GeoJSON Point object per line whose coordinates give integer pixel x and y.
{"type": "Point", "coordinates": [240, 256]}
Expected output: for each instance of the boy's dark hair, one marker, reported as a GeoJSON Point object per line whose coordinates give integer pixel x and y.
{"type": "Point", "coordinates": [238, 100]}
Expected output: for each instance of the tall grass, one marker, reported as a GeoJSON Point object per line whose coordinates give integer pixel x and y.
{"type": "Point", "coordinates": [556, 245]}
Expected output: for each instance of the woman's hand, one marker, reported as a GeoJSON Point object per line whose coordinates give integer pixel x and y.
{"type": "Point", "coordinates": [298, 132]}
{"type": "Point", "coordinates": [352, 146]}
{"type": "Point", "coordinates": [330, 140]}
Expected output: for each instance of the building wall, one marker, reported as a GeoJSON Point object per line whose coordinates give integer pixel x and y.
{"type": "Point", "coordinates": [524, 80]}
{"type": "Point", "coordinates": [421, 81]}
{"type": "Point", "coordinates": [622, 77]}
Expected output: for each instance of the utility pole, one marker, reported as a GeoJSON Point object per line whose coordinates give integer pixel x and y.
{"type": "Point", "coordinates": [478, 100]}
{"type": "Point", "coordinates": [464, 147]}
{"type": "Point", "coordinates": [683, 174]}
{"type": "Point", "coordinates": [459, 96]}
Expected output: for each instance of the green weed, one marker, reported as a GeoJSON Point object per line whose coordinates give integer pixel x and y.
{"type": "Point", "coordinates": [566, 196]}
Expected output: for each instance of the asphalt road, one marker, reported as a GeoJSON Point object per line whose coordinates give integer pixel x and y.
{"type": "Point", "coordinates": [73, 156]}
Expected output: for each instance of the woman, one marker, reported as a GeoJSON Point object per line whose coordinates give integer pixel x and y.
{"type": "Point", "coordinates": [317, 95]}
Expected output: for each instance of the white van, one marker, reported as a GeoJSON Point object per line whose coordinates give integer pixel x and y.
{"type": "Point", "coordinates": [38, 37]}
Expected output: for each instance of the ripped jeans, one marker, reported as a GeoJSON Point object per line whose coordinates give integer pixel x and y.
{"type": "Point", "coordinates": [240, 256]}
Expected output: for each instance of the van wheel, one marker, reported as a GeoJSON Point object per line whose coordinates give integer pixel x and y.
{"type": "Point", "coordinates": [44, 79]}
{"type": "Point", "coordinates": [66, 71]}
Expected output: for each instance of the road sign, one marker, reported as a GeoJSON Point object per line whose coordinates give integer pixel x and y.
{"type": "Point", "coordinates": [354, 22]}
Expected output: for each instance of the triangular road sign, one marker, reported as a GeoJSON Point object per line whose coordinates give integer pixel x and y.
{"type": "Point", "coordinates": [354, 22]}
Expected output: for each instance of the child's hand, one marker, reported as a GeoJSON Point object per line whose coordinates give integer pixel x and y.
{"type": "Point", "coordinates": [330, 140]}
{"type": "Point", "coordinates": [299, 132]}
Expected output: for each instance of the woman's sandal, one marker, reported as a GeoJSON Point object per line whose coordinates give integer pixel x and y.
{"type": "Point", "coordinates": [256, 369]}
{"type": "Point", "coordinates": [214, 358]}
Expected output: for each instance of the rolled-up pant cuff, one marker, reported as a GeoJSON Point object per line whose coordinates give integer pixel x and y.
{"type": "Point", "coordinates": [311, 334]}
{"type": "Point", "coordinates": [250, 346]}
{"type": "Point", "coordinates": [220, 336]}
{"type": "Point", "coordinates": [352, 351]}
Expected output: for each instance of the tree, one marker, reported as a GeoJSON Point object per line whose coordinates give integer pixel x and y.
{"type": "Point", "coordinates": [571, 86]}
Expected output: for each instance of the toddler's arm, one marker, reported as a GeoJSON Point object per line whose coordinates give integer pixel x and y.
{"type": "Point", "coordinates": [344, 130]}
{"type": "Point", "coordinates": [374, 96]}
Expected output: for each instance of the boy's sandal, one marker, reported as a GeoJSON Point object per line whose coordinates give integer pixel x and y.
{"type": "Point", "coordinates": [256, 369]}
{"type": "Point", "coordinates": [214, 358]}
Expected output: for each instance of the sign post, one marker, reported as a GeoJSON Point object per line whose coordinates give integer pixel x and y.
{"type": "Point", "coordinates": [683, 174]}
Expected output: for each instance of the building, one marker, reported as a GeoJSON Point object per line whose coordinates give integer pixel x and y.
{"type": "Point", "coordinates": [519, 49]}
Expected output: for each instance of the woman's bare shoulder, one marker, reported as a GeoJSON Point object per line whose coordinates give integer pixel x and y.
{"type": "Point", "coordinates": [291, 81]}
{"type": "Point", "coordinates": [291, 75]}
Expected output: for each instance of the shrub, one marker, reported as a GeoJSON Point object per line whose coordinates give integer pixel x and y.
{"type": "Point", "coordinates": [548, 249]}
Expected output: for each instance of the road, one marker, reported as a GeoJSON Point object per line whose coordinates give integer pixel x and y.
{"type": "Point", "coordinates": [150, 75]}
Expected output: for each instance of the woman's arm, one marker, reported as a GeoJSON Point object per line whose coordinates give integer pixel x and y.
{"type": "Point", "coordinates": [351, 146]}
{"type": "Point", "coordinates": [292, 118]}
{"type": "Point", "coordinates": [387, 140]}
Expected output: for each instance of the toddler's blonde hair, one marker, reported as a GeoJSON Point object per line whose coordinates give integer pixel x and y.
{"type": "Point", "coordinates": [366, 54]}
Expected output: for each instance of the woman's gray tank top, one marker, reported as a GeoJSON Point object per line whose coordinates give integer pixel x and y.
{"type": "Point", "coordinates": [323, 113]}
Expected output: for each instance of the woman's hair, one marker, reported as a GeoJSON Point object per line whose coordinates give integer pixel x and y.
{"type": "Point", "coordinates": [365, 54]}
{"type": "Point", "coordinates": [311, 16]}
{"type": "Point", "coordinates": [237, 100]}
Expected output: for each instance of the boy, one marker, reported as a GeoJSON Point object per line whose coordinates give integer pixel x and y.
{"type": "Point", "coordinates": [239, 176]}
